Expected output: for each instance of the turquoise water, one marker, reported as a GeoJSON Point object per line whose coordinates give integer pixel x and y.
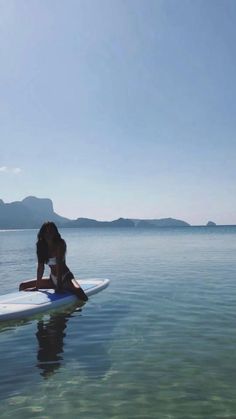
{"type": "Point", "coordinates": [159, 342]}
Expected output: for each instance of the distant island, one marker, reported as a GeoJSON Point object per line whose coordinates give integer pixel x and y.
{"type": "Point", "coordinates": [211, 224]}
{"type": "Point", "coordinates": [32, 212]}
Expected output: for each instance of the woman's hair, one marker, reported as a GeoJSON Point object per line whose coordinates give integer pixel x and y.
{"type": "Point", "coordinates": [42, 246]}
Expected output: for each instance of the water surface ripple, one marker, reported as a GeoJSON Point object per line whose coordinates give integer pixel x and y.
{"type": "Point", "coordinates": [159, 342]}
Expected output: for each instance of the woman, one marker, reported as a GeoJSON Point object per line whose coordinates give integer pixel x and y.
{"type": "Point", "coordinates": [51, 250]}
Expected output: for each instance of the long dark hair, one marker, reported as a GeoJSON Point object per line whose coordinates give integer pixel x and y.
{"type": "Point", "coordinates": [42, 246]}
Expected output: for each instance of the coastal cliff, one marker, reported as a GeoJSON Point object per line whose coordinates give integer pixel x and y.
{"type": "Point", "coordinates": [31, 212]}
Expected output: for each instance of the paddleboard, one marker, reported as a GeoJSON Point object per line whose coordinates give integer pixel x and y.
{"type": "Point", "coordinates": [22, 304]}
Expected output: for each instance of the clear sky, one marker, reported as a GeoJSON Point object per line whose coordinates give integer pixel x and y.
{"type": "Point", "coordinates": [120, 108]}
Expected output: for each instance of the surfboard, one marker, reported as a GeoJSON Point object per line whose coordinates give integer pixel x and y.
{"type": "Point", "coordinates": [23, 304]}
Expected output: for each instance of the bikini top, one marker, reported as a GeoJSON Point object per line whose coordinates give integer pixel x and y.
{"type": "Point", "coordinates": [53, 261]}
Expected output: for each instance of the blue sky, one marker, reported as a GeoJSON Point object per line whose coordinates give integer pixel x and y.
{"type": "Point", "coordinates": [117, 108]}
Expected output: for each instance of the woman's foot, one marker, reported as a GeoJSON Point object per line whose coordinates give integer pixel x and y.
{"type": "Point", "coordinates": [81, 294]}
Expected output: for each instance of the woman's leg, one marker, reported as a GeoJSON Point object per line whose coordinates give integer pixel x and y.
{"type": "Point", "coordinates": [78, 291]}
{"type": "Point", "coordinates": [72, 285]}
{"type": "Point", "coordinates": [44, 283]}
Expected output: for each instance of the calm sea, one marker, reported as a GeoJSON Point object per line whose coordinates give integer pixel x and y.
{"type": "Point", "coordinates": [159, 342]}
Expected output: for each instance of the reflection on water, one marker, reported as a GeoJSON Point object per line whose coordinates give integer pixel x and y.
{"type": "Point", "coordinates": [50, 335]}
{"type": "Point", "coordinates": [87, 349]}
{"type": "Point", "coordinates": [38, 346]}
{"type": "Point", "coordinates": [158, 343]}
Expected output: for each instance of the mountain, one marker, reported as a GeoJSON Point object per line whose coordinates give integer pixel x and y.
{"type": "Point", "coordinates": [87, 222]}
{"type": "Point", "coordinates": [163, 222]}
{"type": "Point", "coordinates": [124, 222]}
{"type": "Point", "coordinates": [42, 209]}
{"type": "Point", "coordinates": [31, 212]}
{"type": "Point", "coordinates": [15, 215]}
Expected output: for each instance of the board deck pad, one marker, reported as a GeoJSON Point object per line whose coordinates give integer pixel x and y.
{"type": "Point", "coordinates": [23, 304]}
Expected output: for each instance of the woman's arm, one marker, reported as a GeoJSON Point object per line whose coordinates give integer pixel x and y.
{"type": "Point", "coordinates": [40, 272]}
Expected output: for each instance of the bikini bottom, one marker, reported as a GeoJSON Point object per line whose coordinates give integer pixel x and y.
{"type": "Point", "coordinates": [66, 279]}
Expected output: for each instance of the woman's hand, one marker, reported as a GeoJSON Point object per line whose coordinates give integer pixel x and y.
{"type": "Point", "coordinates": [31, 289]}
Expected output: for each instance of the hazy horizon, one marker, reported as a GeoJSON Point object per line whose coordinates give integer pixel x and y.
{"type": "Point", "coordinates": [120, 108]}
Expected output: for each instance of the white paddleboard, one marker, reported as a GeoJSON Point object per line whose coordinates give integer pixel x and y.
{"type": "Point", "coordinates": [22, 304]}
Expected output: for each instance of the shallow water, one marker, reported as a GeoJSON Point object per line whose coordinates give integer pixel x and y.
{"type": "Point", "coordinates": [159, 342]}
